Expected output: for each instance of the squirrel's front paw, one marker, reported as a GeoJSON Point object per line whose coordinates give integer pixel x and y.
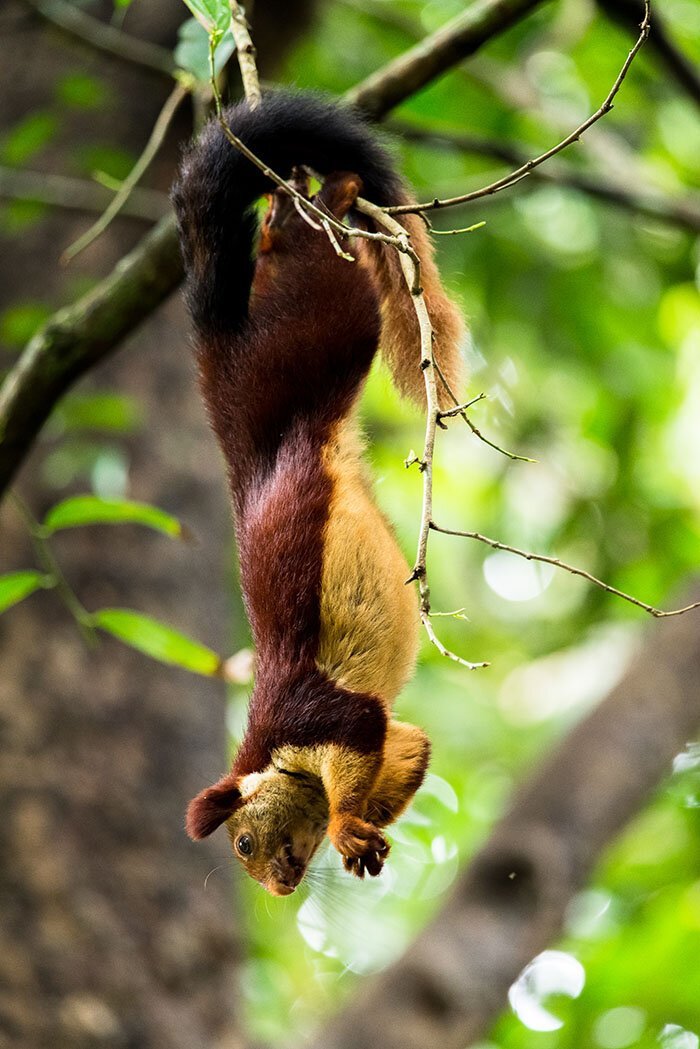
{"type": "Point", "coordinates": [360, 844]}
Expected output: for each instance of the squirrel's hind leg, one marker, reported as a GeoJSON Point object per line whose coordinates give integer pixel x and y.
{"type": "Point", "coordinates": [405, 761]}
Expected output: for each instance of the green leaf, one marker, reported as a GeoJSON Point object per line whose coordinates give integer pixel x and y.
{"type": "Point", "coordinates": [112, 412]}
{"type": "Point", "coordinates": [82, 91]}
{"type": "Point", "coordinates": [115, 162]}
{"type": "Point", "coordinates": [18, 323]}
{"type": "Point", "coordinates": [15, 586]}
{"type": "Point", "coordinates": [16, 216]}
{"type": "Point", "coordinates": [157, 640]}
{"type": "Point", "coordinates": [214, 15]}
{"type": "Point", "coordinates": [192, 50]}
{"type": "Point", "coordinates": [89, 509]}
{"type": "Point", "coordinates": [28, 137]}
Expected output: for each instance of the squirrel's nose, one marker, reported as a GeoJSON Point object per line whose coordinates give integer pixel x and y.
{"type": "Point", "coordinates": [288, 868]}
{"type": "Point", "coordinates": [293, 862]}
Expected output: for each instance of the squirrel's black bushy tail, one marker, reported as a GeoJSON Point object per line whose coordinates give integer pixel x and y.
{"type": "Point", "coordinates": [217, 187]}
{"type": "Point", "coordinates": [214, 197]}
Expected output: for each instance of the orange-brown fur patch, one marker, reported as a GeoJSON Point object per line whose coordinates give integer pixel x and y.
{"type": "Point", "coordinates": [400, 336]}
{"type": "Point", "coordinates": [404, 763]}
{"type": "Point", "coordinates": [369, 617]}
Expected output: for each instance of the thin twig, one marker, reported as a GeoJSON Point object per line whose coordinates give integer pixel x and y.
{"type": "Point", "coordinates": [459, 408]}
{"type": "Point", "coordinates": [530, 165]}
{"type": "Point", "coordinates": [681, 211]}
{"type": "Point", "coordinates": [557, 563]}
{"type": "Point", "coordinates": [245, 51]}
{"type": "Point", "coordinates": [679, 65]}
{"type": "Point", "coordinates": [492, 444]}
{"type": "Point", "coordinates": [455, 232]}
{"type": "Point", "coordinates": [155, 141]}
{"type": "Point", "coordinates": [71, 19]}
{"type": "Point", "coordinates": [461, 411]}
{"type": "Point", "coordinates": [410, 267]}
{"type": "Point", "coordinates": [307, 218]}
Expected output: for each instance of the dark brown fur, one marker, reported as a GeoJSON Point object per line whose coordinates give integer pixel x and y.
{"type": "Point", "coordinates": [284, 346]}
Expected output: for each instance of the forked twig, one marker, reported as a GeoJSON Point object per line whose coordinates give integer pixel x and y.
{"type": "Point", "coordinates": [524, 170]}
{"type": "Point", "coordinates": [557, 563]}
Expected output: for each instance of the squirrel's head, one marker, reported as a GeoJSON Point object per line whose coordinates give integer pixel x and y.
{"type": "Point", "coordinates": [275, 819]}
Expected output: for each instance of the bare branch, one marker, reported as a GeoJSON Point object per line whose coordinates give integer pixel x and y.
{"type": "Point", "coordinates": [245, 51]}
{"type": "Point", "coordinates": [71, 19]}
{"type": "Point", "coordinates": [410, 266]}
{"type": "Point", "coordinates": [75, 194]}
{"type": "Point", "coordinates": [524, 170]}
{"type": "Point", "coordinates": [529, 556]}
{"type": "Point", "coordinates": [683, 212]}
{"type": "Point", "coordinates": [684, 72]}
{"type": "Point", "coordinates": [461, 410]}
{"type": "Point", "coordinates": [431, 57]}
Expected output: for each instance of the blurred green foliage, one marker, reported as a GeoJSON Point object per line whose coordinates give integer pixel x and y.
{"type": "Point", "coordinates": [28, 137]}
{"type": "Point", "coordinates": [82, 91]}
{"type": "Point", "coordinates": [585, 335]}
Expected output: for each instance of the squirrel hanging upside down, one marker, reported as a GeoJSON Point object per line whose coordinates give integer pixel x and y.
{"type": "Point", "coordinates": [285, 340]}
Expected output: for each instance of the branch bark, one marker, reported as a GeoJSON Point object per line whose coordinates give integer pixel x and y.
{"type": "Point", "coordinates": [79, 336]}
{"type": "Point", "coordinates": [511, 901]}
{"type": "Point", "coordinates": [455, 41]}
{"type": "Point", "coordinates": [76, 338]}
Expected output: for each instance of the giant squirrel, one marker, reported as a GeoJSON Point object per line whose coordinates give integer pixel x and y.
{"type": "Point", "coordinates": [285, 339]}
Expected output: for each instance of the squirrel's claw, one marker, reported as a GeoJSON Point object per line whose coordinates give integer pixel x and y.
{"type": "Point", "coordinates": [361, 845]}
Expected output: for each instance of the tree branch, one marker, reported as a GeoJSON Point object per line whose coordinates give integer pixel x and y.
{"type": "Point", "coordinates": [410, 267]}
{"type": "Point", "coordinates": [455, 41]}
{"type": "Point", "coordinates": [79, 336]}
{"type": "Point", "coordinates": [245, 51]}
{"type": "Point", "coordinates": [510, 903]}
{"type": "Point", "coordinates": [683, 212]}
{"type": "Point", "coordinates": [70, 19]}
{"type": "Point", "coordinates": [76, 338]}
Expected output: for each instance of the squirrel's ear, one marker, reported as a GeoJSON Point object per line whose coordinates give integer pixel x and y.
{"type": "Point", "coordinates": [212, 807]}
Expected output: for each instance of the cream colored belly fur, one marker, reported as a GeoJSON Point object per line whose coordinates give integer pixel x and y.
{"type": "Point", "coordinates": [369, 617]}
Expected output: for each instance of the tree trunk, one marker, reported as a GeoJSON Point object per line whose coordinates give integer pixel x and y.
{"type": "Point", "coordinates": [108, 936]}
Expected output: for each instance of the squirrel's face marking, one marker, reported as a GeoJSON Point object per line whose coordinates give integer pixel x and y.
{"type": "Point", "coordinates": [277, 830]}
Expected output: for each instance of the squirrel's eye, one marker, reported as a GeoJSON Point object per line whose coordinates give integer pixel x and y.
{"type": "Point", "coordinates": [244, 845]}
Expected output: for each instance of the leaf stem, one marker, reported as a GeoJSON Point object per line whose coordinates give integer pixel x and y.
{"type": "Point", "coordinates": [47, 560]}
